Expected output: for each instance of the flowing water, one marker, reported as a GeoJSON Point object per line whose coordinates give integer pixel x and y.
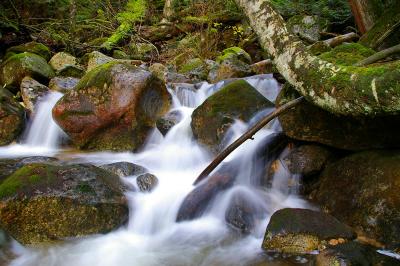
{"type": "Point", "coordinates": [152, 235]}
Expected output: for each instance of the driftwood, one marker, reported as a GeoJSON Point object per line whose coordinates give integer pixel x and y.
{"type": "Point", "coordinates": [248, 135]}
{"type": "Point", "coordinates": [379, 55]}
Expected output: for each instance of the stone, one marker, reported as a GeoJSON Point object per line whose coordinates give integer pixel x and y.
{"type": "Point", "coordinates": [32, 92]}
{"type": "Point", "coordinates": [165, 123]}
{"type": "Point", "coordinates": [30, 47]}
{"type": "Point", "coordinates": [42, 203]}
{"type": "Point", "coordinates": [18, 66]}
{"type": "Point", "coordinates": [230, 68]}
{"type": "Point", "coordinates": [307, 122]}
{"type": "Point", "coordinates": [147, 182]}
{"type": "Point", "coordinates": [12, 118]}
{"type": "Point", "coordinates": [62, 59]}
{"type": "Point", "coordinates": [73, 71]}
{"type": "Point", "coordinates": [302, 230]}
{"type": "Point", "coordinates": [234, 52]}
{"type": "Point", "coordinates": [362, 191]}
{"type": "Point", "coordinates": [113, 107]}
{"type": "Point", "coordinates": [124, 169]}
{"type": "Point", "coordinates": [159, 70]}
{"type": "Point", "coordinates": [307, 160]}
{"type": "Point", "coordinates": [95, 59]}
{"type": "Point", "coordinates": [307, 27]}
{"type": "Point", "coordinates": [195, 69]}
{"type": "Point", "coordinates": [212, 119]}
{"type": "Point", "coordinates": [62, 84]}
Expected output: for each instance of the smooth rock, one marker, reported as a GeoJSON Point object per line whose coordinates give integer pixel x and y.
{"type": "Point", "coordinates": [12, 118]}
{"type": "Point", "coordinates": [62, 59]}
{"type": "Point", "coordinates": [30, 47]}
{"type": "Point", "coordinates": [124, 169]}
{"type": "Point", "coordinates": [147, 182]}
{"type": "Point", "coordinates": [32, 92]}
{"type": "Point", "coordinates": [73, 71]}
{"type": "Point", "coordinates": [62, 84]}
{"type": "Point", "coordinates": [165, 123]}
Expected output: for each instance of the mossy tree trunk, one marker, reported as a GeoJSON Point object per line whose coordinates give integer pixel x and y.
{"type": "Point", "coordinates": [168, 11]}
{"type": "Point", "coordinates": [345, 90]}
{"type": "Point", "coordinates": [366, 12]}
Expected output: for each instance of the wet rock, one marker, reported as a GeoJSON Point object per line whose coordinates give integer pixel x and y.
{"type": "Point", "coordinates": [143, 51]}
{"type": "Point", "coordinates": [362, 191]}
{"type": "Point", "coordinates": [307, 160]}
{"type": "Point", "coordinates": [62, 59]}
{"type": "Point", "coordinates": [118, 54]}
{"type": "Point", "coordinates": [32, 92]}
{"type": "Point", "coordinates": [124, 169]}
{"type": "Point", "coordinates": [113, 107]}
{"type": "Point", "coordinates": [147, 182]}
{"type": "Point", "coordinates": [18, 66]}
{"type": "Point", "coordinates": [172, 77]}
{"type": "Point", "coordinates": [159, 70]}
{"type": "Point", "coordinates": [12, 117]}
{"type": "Point", "coordinates": [196, 69]}
{"type": "Point", "coordinates": [353, 253]}
{"type": "Point", "coordinates": [196, 202]}
{"type": "Point", "coordinates": [63, 84]}
{"type": "Point", "coordinates": [307, 28]}
{"type": "Point", "coordinates": [95, 59]}
{"type": "Point", "coordinates": [31, 47]}
{"type": "Point", "coordinates": [71, 71]}
{"type": "Point", "coordinates": [310, 123]}
{"type": "Point", "coordinates": [165, 123]}
{"type": "Point", "coordinates": [9, 166]}
{"type": "Point", "coordinates": [212, 119]}
{"type": "Point", "coordinates": [302, 230]}
{"type": "Point", "coordinates": [241, 213]}
{"type": "Point", "coordinates": [234, 53]}
{"type": "Point", "coordinates": [43, 203]}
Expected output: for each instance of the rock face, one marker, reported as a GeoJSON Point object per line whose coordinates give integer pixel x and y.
{"type": "Point", "coordinates": [147, 182]}
{"type": "Point", "coordinates": [302, 230]}
{"type": "Point", "coordinates": [212, 119]}
{"type": "Point", "coordinates": [113, 107]}
{"type": "Point", "coordinates": [43, 203]}
{"type": "Point", "coordinates": [63, 84]}
{"type": "Point", "coordinates": [362, 190]}
{"type": "Point", "coordinates": [165, 123]}
{"type": "Point", "coordinates": [32, 92]}
{"type": "Point", "coordinates": [12, 118]}
{"type": "Point", "coordinates": [18, 66]}
{"type": "Point", "coordinates": [307, 160]}
{"type": "Point", "coordinates": [310, 123]}
{"type": "Point", "coordinates": [31, 47]}
{"type": "Point", "coordinates": [124, 169]}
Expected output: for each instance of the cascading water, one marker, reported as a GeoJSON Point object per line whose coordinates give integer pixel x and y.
{"type": "Point", "coordinates": [152, 236]}
{"type": "Point", "coordinates": [42, 135]}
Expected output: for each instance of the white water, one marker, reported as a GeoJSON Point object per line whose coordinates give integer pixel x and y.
{"type": "Point", "coordinates": [152, 237]}
{"type": "Point", "coordinates": [42, 134]}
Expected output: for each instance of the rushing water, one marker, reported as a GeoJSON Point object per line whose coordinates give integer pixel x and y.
{"type": "Point", "coordinates": [152, 236]}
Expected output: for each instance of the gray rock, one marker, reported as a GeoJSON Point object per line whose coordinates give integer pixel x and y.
{"type": "Point", "coordinates": [62, 59]}
{"type": "Point", "coordinates": [147, 182]}
{"type": "Point", "coordinates": [165, 123]}
{"type": "Point", "coordinates": [62, 84]}
{"type": "Point", "coordinates": [124, 169]}
{"type": "Point", "coordinates": [32, 92]}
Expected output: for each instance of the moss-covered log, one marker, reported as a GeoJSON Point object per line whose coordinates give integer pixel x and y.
{"type": "Point", "coordinates": [340, 89]}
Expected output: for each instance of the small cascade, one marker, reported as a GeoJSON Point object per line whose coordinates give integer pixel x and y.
{"type": "Point", "coordinates": [43, 131]}
{"type": "Point", "coordinates": [152, 236]}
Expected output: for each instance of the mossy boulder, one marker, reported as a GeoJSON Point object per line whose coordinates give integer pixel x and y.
{"type": "Point", "coordinates": [61, 59]}
{"type": "Point", "coordinates": [353, 253]}
{"type": "Point", "coordinates": [195, 68]}
{"type": "Point", "coordinates": [31, 47]}
{"type": "Point", "coordinates": [18, 66]}
{"type": "Point", "coordinates": [301, 230]}
{"type": "Point", "coordinates": [310, 123]}
{"type": "Point", "coordinates": [212, 119]}
{"type": "Point", "coordinates": [124, 169]}
{"type": "Point", "coordinates": [73, 71]}
{"type": "Point", "coordinates": [62, 84]}
{"type": "Point", "coordinates": [12, 118]}
{"type": "Point", "coordinates": [32, 92]}
{"type": "Point", "coordinates": [234, 52]}
{"type": "Point", "coordinates": [362, 190]}
{"type": "Point", "coordinates": [43, 203]}
{"type": "Point", "coordinates": [347, 54]}
{"type": "Point", "coordinates": [307, 27]}
{"type": "Point", "coordinates": [113, 107]}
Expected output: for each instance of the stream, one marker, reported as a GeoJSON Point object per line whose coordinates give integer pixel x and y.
{"type": "Point", "coordinates": [152, 235]}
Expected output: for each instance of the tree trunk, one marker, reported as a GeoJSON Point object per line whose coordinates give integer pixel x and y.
{"type": "Point", "coordinates": [366, 12]}
{"type": "Point", "coordinates": [346, 90]}
{"type": "Point", "coordinates": [168, 12]}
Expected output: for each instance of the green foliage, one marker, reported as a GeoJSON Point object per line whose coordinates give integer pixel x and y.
{"type": "Point", "coordinates": [347, 54]}
{"type": "Point", "coordinates": [134, 11]}
{"type": "Point", "coordinates": [336, 11]}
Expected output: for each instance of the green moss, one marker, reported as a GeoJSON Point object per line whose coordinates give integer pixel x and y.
{"type": "Point", "coordinates": [191, 65]}
{"type": "Point", "coordinates": [84, 187]}
{"type": "Point", "coordinates": [97, 77]}
{"type": "Point", "coordinates": [234, 52]}
{"type": "Point", "coordinates": [197, 20]}
{"type": "Point", "coordinates": [347, 54]}
{"type": "Point", "coordinates": [31, 47]}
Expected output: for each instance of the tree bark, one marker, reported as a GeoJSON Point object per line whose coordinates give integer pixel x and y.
{"type": "Point", "coordinates": [168, 11]}
{"type": "Point", "coordinates": [345, 90]}
{"type": "Point", "coordinates": [365, 12]}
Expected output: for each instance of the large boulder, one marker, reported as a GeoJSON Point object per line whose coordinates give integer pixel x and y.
{"type": "Point", "coordinates": [62, 59]}
{"type": "Point", "coordinates": [302, 230]}
{"type": "Point", "coordinates": [44, 202]}
{"type": "Point", "coordinates": [63, 84]}
{"type": "Point", "coordinates": [168, 121]}
{"type": "Point", "coordinates": [363, 191]}
{"type": "Point", "coordinates": [113, 107]}
{"type": "Point", "coordinates": [30, 47]}
{"type": "Point", "coordinates": [32, 92]}
{"type": "Point", "coordinates": [310, 123]}
{"type": "Point", "coordinates": [18, 66]}
{"type": "Point", "coordinates": [12, 117]}
{"type": "Point", "coordinates": [307, 27]}
{"type": "Point", "coordinates": [212, 119]}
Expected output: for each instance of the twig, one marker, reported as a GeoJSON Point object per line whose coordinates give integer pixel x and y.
{"type": "Point", "coordinates": [379, 55]}
{"type": "Point", "coordinates": [248, 135]}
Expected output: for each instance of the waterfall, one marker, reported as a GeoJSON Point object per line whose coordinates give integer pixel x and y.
{"type": "Point", "coordinates": [152, 236]}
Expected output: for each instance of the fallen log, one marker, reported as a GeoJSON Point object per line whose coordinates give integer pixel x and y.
{"type": "Point", "coordinates": [379, 56]}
